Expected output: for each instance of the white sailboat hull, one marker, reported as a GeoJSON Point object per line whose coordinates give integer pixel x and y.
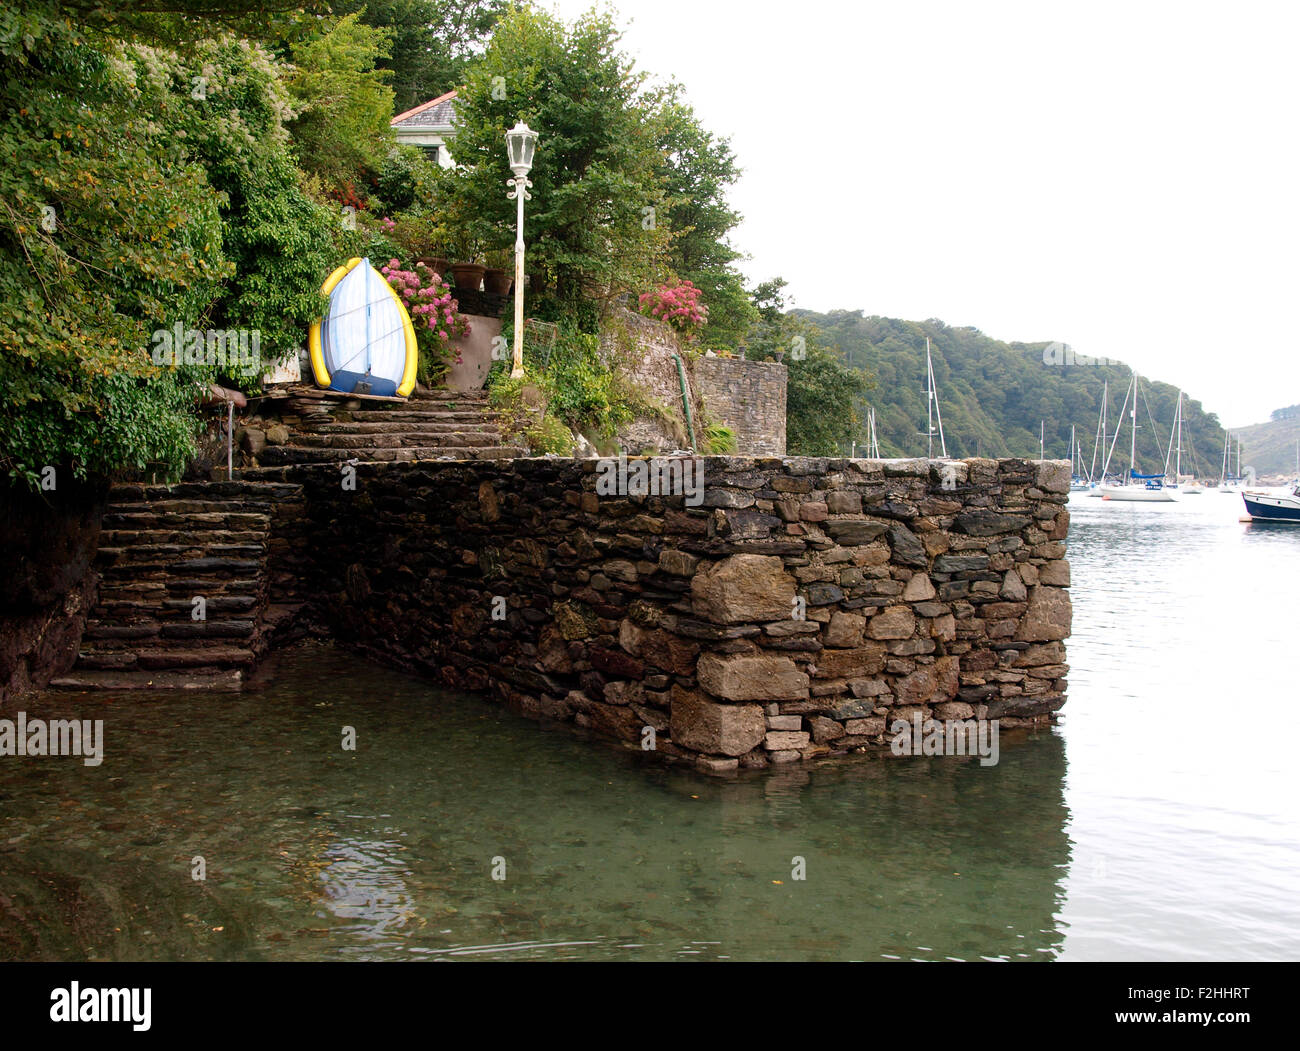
{"type": "Point", "coordinates": [1136, 494]}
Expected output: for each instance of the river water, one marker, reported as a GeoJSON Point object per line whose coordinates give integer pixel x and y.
{"type": "Point", "coordinates": [1158, 820]}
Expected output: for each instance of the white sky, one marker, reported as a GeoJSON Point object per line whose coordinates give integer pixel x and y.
{"type": "Point", "coordinates": [1122, 177]}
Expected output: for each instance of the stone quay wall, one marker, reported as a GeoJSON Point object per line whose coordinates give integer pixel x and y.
{"type": "Point", "coordinates": [749, 397]}
{"type": "Point", "coordinates": [786, 609]}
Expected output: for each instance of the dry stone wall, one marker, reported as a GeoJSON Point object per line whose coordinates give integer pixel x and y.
{"type": "Point", "coordinates": [788, 609]}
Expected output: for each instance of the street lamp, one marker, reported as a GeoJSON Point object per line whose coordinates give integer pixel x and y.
{"type": "Point", "coordinates": [521, 141]}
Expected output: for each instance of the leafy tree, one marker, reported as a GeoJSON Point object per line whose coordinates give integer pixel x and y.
{"type": "Point", "coordinates": [281, 242]}
{"type": "Point", "coordinates": [434, 41]}
{"type": "Point", "coordinates": [595, 172]}
{"type": "Point", "coordinates": [343, 102]}
{"type": "Point", "coordinates": [698, 167]}
{"type": "Point", "coordinates": [822, 394]}
{"type": "Point", "coordinates": [107, 232]}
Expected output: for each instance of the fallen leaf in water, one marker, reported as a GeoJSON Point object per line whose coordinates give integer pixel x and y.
{"type": "Point", "coordinates": [218, 928]}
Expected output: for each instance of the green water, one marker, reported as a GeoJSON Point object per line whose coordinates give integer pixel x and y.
{"type": "Point", "coordinates": [387, 852]}
{"type": "Point", "coordinates": [1172, 832]}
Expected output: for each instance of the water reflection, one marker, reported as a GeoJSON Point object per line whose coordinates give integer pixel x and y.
{"type": "Point", "coordinates": [387, 852]}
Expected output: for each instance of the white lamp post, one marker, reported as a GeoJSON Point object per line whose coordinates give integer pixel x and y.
{"type": "Point", "coordinates": [521, 141]}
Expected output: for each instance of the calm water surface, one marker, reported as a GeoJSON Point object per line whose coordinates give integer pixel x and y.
{"type": "Point", "coordinates": [1159, 820]}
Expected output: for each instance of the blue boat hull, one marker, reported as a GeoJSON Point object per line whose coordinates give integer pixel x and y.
{"type": "Point", "coordinates": [1272, 512]}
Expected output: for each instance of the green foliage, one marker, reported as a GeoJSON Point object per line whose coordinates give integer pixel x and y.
{"type": "Point", "coordinates": [433, 41]}
{"type": "Point", "coordinates": [107, 232]}
{"type": "Point", "coordinates": [993, 395]}
{"type": "Point", "coordinates": [698, 168]}
{"type": "Point", "coordinates": [572, 383]}
{"type": "Point", "coordinates": [343, 102]}
{"type": "Point", "coordinates": [595, 171]}
{"type": "Point", "coordinates": [283, 243]}
{"type": "Point", "coordinates": [719, 439]}
{"type": "Point", "coordinates": [822, 395]}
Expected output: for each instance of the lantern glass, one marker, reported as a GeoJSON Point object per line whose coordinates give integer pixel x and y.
{"type": "Point", "coordinates": [521, 141]}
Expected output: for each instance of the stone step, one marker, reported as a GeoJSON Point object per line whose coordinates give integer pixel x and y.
{"type": "Point", "coordinates": [187, 508]}
{"type": "Point", "coordinates": [181, 633]}
{"type": "Point", "coordinates": [123, 516]}
{"type": "Point", "coordinates": [219, 493]}
{"type": "Point", "coordinates": [162, 657]}
{"type": "Point", "coordinates": [456, 440]}
{"type": "Point", "coordinates": [135, 538]}
{"type": "Point", "coordinates": [290, 454]}
{"type": "Point", "coordinates": [126, 611]}
{"type": "Point", "coordinates": [176, 554]}
{"type": "Point", "coordinates": [107, 679]}
{"type": "Point", "coordinates": [200, 571]}
{"type": "Point", "coordinates": [442, 394]}
{"type": "Point", "coordinates": [471, 426]}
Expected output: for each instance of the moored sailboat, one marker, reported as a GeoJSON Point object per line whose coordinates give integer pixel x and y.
{"type": "Point", "coordinates": [1138, 488]}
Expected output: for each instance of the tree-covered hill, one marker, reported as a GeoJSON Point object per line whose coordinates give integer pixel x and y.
{"type": "Point", "coordinates": [993, 395]}
{"type": "Point", "coordinates": [1270, 447]}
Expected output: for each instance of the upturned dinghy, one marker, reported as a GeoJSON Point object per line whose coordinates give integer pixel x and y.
{"type": "Point", "coordinates": [366, 342]}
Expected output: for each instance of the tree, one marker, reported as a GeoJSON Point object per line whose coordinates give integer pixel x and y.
{"type": "Point", "coordinates": [344, 105]}
{"type": "Point", "coordinates": [433, 41]}
{"type": "Point", "coordinates": [698, 167]}
{"type": "Point", "coordinates": [822, 395]}
{"type": "Point", "coordinates": [107, 233]}
{"type": "Point", "coordinates": [590, 227]}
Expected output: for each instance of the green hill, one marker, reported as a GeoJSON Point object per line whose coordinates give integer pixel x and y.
{"type": "Point", "coordinates": [1270, 447]}
{"type": "Point", "coordinates": [993, 395]}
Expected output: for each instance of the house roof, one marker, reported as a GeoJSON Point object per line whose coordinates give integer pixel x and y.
{"type": "Point", "coordinates": [436, 113]}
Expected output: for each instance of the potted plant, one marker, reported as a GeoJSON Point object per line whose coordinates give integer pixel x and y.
{"type": "Point", "coordinates": [497, 279]}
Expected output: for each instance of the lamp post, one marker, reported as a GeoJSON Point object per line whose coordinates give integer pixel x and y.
{"type": "Point", "coordinates": [521, 141]}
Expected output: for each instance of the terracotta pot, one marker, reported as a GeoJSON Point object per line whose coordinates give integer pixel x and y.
{"type": "Point", "coordinates": [497, 281]}
{"type": "Point", "coordinates": [468, 276]}
{"type": "Point", "coordinates": [439, 264]}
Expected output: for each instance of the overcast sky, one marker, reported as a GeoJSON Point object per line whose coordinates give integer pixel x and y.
{"type": "Point", "coordinates": [1122, 177]}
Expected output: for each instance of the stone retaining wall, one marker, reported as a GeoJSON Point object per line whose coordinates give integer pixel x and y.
{"type": "Point", "coordinates": [749, 397]}
{"type": "Point", "coordinates": [792, 608]}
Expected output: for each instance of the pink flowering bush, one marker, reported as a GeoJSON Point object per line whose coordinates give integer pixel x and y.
{"type": "Point", "coordinates": [434, 313]}
{"type": "Point", "coordinates": [677, 303]}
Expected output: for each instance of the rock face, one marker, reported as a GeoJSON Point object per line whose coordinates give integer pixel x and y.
{"type": "Point", "coordinates": [760, 677]}
{"type": "Point", "coordinates": [1048, 616]}
{"type": "Point", "coordinates": [743, 588]}
{"type": "Point", "coordinates": [775, 611]}
{"type": "Point", "coordinates": [718, 729]}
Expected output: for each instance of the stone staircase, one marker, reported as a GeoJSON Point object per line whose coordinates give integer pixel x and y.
{"type": "Point", "coordinates": [427, 426]}
{"type": "Point", "coordinates": [160, 549]}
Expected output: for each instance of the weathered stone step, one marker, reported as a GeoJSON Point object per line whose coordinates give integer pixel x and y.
{"type": "Point", "coordinates": [135, 538]}
{"type": "Point", "coordinates": [182, 633]}
{"type": "Point", "coordinates": [220, 493]}
{"type": "Point", "coordinates": [291, 454]}
{"type": "Point", "coordinates": [106, 679]}
{"type": "Point", "coordinates": [470, 426]}
{"type": "Point", "coordinates": [191, 655]}
{"type": "Point", "coordinates": [176, 554]}
{"type": "Point", "coordinates": [123, 611]}
{"type": "Point", "coordinates": [200, 569]}
{"type": "Point", "coordinates": [442, 394]}
{"type": "Point", "coordinates": [126, 516]}
{"type": "Point", "coordinates": [451, 440]}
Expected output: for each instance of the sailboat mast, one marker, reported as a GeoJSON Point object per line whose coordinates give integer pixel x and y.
{"type": "Point", "coordinates": [1133, 415]}
{"type": "Point", "coordinates": [1178, 456]}
{"type": "Point", "coordinates": [1101, 428]}
{"type": "Point", "coordinates": [929, 400]}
